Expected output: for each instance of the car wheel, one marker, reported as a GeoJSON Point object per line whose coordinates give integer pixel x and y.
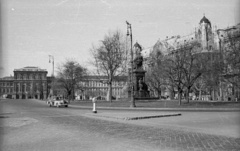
{"type": "Point", "coordinates": [66, 105]}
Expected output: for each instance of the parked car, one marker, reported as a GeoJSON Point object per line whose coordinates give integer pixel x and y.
{"type": "Point", "coordinates": [58, 102]}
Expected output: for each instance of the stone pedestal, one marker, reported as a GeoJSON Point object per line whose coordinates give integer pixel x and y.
{"type": "Point", "coordinates": [140, 87]}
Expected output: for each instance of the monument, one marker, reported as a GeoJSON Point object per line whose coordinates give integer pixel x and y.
{"type": "Point", "coordinates": [139, 86]}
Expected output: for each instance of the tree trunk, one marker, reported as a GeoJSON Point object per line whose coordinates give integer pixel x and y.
{"type": "Point", "coordinates": [69, 96]}
{"type": "Point", "coordinates": [200, 95]}
{"type": "Point", "coordinates": [221, 92]}
{"type": "Point", "coordinates": [213, 94]}
{"type": "Point", "coordinates": [180, 98]}
{"type": "Point", "coordinates": [187, 95]}
{"type": "Point", "coordinates": [109, 94]}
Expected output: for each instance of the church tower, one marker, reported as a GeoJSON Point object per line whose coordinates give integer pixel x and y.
{"type": "Point", "coordinates": [205, 32]}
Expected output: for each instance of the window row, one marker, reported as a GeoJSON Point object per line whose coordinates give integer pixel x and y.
{"type": "Point", "coordinates": [115, 92]}
{"type": "Point", "coordinates": [100, 84]}
{"type": "Point", "coordinates": [31, 87]}
{"type": "Point", "coordinates": [6, 90]}
{"type": "Point", "coordinates": [30, 76]}
{"type": "Point", "coordinates": [3, 84]}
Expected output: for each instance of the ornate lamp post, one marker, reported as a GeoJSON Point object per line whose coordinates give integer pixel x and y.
{"type": "Point", "coordinates": [129, 33]}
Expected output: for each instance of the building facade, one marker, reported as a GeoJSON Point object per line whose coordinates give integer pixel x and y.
{"type": "Point", "coordinates": [93, 86]}
{"type": "Point", "coordinates": [6, 87]}
{"type": "Point", "coordinates": [27, 82]}
{"type": "Point", "coordinates": [212, 40]}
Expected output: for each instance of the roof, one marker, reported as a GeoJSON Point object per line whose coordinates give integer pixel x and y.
{"type": "Point", "coordinates": [7, 78]}
{"type": "Point", "coordinates": [30, 68]}
{"type": "Point", "coordinates": [205, 20]}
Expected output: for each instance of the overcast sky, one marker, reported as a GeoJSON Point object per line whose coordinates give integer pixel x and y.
{"type": "Point", "coordinates": [33, 29]}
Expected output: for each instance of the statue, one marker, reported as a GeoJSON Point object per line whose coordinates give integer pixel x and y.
{"type": "Point", "coordinates": [138, 61]}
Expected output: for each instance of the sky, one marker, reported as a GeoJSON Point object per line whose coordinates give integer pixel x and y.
{"type": "Point", "coordinates": [31, 30]}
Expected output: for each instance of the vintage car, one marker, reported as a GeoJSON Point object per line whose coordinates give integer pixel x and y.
{"type": "Point", "coordinates": [58, 102]}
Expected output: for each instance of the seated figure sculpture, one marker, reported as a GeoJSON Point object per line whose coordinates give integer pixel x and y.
{"type": "Point", "coordinates": [138, 61]}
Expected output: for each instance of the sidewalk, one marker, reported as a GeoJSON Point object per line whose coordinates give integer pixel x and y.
{"type": "Point", "coordinates": [215, 123]}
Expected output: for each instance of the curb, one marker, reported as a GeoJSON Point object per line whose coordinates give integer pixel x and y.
{"type": "Point", "coordinates": [163, 109]}
{"type": "Point", "coordinates": [147, 117]}
{"type": "Point", "coordinates": [136, 118]}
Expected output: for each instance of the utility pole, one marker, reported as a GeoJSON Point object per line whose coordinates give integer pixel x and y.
{"type": "Point", "coordinates": [129, 33]}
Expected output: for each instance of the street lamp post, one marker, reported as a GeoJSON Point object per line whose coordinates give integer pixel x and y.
{"type": "Point", "coordinates": [129, 33]}
{"type": "Point", "coordinates": [51, 59]}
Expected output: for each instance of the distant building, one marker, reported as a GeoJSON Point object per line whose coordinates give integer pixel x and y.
{"type": "Point", "coordinates": [213, 42]}
{"type": "Point", "coordinates": [32, 82]}
{"type": "Point", "coordinates": [97, 86]}
{"type": "Point", "coordinates": [6, 87]}
{"type": "Point", "coordinates": [210, 38]}
{"type": "Point", "coordinates": [27, 82]}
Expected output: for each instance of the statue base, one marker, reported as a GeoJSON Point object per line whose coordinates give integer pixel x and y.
{"type": "Point", "coordinates": [140, 87]}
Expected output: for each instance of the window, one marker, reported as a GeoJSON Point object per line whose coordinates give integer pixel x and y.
{"type": "Point", "coordinates": [43, 76]}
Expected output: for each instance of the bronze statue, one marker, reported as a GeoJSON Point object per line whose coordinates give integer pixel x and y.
{"type": "Point", "coordinates": [138, 61]}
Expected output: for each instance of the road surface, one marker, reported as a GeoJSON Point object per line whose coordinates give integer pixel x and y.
{"type": "Point", "coordinates": [32, 125]}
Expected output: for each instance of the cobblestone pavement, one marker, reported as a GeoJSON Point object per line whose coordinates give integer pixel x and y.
{"type": "Point", "coordinates": [68, 129]}
{"type": "Point", "coordinates": [163, 138]}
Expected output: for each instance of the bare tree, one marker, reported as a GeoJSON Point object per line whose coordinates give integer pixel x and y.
{"type": "Point", "coordinates": [154, 76]}
{"type": "Point", "coordinates": [194, 65]}
{"type": "Point", "coordinates": [231, 59]}
{"type": "Point", "coordinates": [182, 67]}
{"type": "Point", "coordinates": [109, 58]}
{"type": "Point", "coordinates": [172, 69]}
{"type": "Point", "coordinates": [69, 75]}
